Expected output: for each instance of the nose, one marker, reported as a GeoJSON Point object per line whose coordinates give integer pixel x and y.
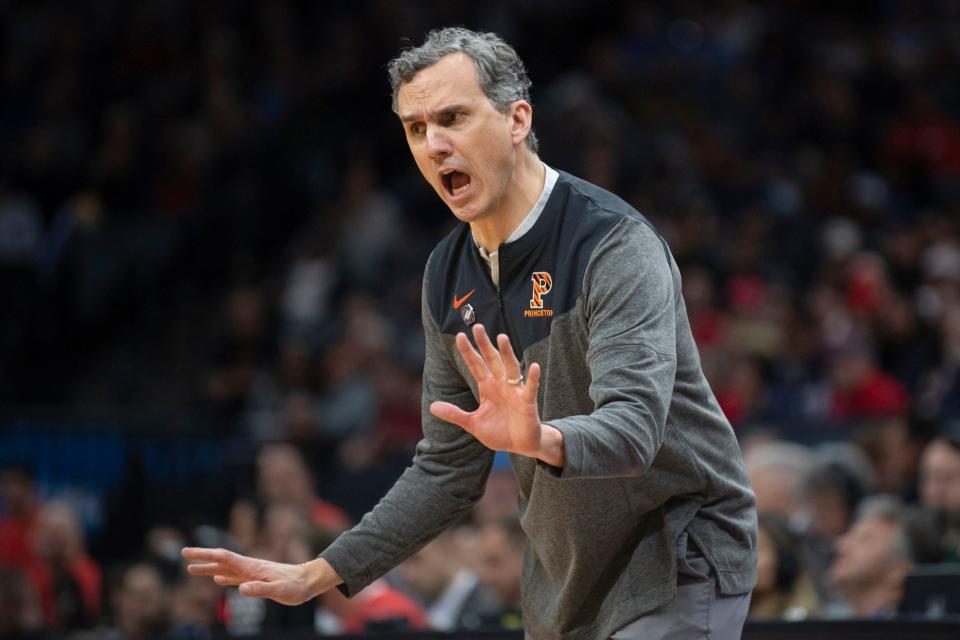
{"type": "Point", "coordinates": [438, 145]}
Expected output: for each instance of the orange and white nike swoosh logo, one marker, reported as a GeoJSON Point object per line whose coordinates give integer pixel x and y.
{"type": "Point", "coordinates": [457, 302]}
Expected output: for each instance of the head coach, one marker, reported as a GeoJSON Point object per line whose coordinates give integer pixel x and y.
{"type": "Point", "coordinates": [555, 331]}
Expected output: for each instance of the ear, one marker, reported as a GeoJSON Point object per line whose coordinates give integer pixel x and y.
{"type": "Point", "coordinates": [521, 119]}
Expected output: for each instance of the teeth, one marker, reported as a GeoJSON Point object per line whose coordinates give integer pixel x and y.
{"type": "Point", "coordinates": [457, 192]}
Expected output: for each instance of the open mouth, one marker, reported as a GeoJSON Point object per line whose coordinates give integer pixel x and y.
{"type": "Point", "coordinates": [455, 182]}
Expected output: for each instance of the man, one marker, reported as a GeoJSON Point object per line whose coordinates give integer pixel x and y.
{"type": "Point", "coordinates": [629, 474]}
{"type": "Point", "coordinates": [440, 577]}
{"type": "Point", "coordinates": [873, 559]}
{"type": "Point", "coordinates": [499, 559]}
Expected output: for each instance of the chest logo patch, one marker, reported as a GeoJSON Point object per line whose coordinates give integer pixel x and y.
{"type": "Point", "coordinates": [457, 302]}
{"type": "Point", "coordinates": [468, 315]}
{"type": "Point", "coordinates": [542, 283]}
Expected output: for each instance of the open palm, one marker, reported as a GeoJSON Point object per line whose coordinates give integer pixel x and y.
{"type": "Point", "coordinates": [290, 584]}
{"type": "Point", "coordinates": [507, 418]}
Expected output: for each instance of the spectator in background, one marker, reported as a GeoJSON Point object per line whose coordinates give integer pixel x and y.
{"type": "Point", "coordinates": [282, 403]}
{"type": "Point", "coordinates": [940, 489]}
{"type": "Point", "coordinates": [19, 507]}
{"type": "Point", "coordinates": [894, 447]}
{"type": "Point", "coordinates": [499, 501]}
{"type": "Point", "coordinates": [20, 615]}
{"type": "Point", "coordinates": [193, 610]}
{"type": "Point", "coordinates": [141, 605]}
{"type": "Point", "coordinates": [873, 559]}
{"type": "Point", "coordinates": [778, 471]}
{"type": "Point", "coordinates": [286, 536]}
{"type": "Point", "coordinates": [499, 561]}
{"type": "Point", "coordinates": [377, 608]}
{"type": "Point", "coordinates": [242, 349]}
{"type": "Point", "coordinates": [243, 524]}
{"type": "Point", "coordinates": [784, 588]}
{"type": "Point", "coordinates": [67, 579]}
{"type": "Point", "coordinates": [832, 493]}
{"type": "Point", "coordinates": [862, 390]}
{"type": "Point", "coordinates": [283, 477]}
{"type": "Point", "coordinates": [440, 578]}
{"type": "Point", "coordinates": [940, 392]}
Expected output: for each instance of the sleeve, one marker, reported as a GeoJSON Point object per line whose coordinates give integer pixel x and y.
{"type": "Point", "coordinates": [630, 291]}
{"type": "Point", "coordinates": [447, 477]}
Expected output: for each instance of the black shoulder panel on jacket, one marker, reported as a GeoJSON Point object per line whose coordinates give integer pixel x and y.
{"type": "Point", "coordinates": [541, 273]}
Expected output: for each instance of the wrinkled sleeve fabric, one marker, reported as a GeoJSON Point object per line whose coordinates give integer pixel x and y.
{"type": "Point", "coordinates": [629, 295]}
{"type": "Point", "coordinates": [447, 477]}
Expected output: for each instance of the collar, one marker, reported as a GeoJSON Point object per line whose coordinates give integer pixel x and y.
{"type": "Point", "coordinates": [550, 179]}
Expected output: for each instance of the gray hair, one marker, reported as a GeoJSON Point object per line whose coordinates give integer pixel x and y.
{"type": "Point", "coordinates": [890, 510]}
{"type": "Point", "coordinates": [500, 71]}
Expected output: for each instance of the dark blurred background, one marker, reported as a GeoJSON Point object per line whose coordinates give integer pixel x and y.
{"type": "Point", "coordinates": [212, 238]}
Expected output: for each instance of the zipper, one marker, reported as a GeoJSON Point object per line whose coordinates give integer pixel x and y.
{"type": "Point", "coordinates": [503, 318]}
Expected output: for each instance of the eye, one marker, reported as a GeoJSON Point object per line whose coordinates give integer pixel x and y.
{"type": "Point", "coordinates": [452, 117]}
{"type": "Point", "coordinates": [417, 128]}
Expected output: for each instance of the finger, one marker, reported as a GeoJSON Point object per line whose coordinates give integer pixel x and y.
{"type": "Point", "coordinates": [259, 589]}
{"type": "Point", "coordinates": [453, 414]}
{"type": "Point", "coordinates": [223, 561]}
{"type": "Point", "coordinates": [228, 581]}
{"type": "Point", "coordinates": [511, 365]}
{"type": "Point", "coordinates": [533, 383]}
{"type": "Point", "coordinates": [474, 362]}
{"type": "Point", "coordinates": [202, 554]}
{"type": "Point", "coordinates": [490, 354]}
{"type": "Point", "coordinates": [207, 569]}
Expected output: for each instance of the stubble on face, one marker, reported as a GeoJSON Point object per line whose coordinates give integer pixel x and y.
{"type": "Point", "coordinates": [459, 140]}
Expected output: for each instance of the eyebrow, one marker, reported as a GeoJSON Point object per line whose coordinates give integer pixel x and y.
{"type": "Point", "coordinates": [433, 115]}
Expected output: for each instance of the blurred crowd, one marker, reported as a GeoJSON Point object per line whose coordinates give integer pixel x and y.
{"type": "Point", "coordinates": [51, 586]}
{"type": "Point", "coordinates": [209, 206]}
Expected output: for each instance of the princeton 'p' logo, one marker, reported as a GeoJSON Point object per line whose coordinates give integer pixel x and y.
{"type": "Point", "coordinates": [542, 283]}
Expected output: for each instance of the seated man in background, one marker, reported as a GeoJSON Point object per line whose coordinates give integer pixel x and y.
{"type": "Point", "coordinates": [439, 577]}
{"type": "Point", "coordinates": [499, 562]}
{"type": "Point", "coordinates": [283, 477]}
{"type": "Point", "coordinates": [66, 578]}
{"type": "Point", "coordinates": [874, 556]}
{"type": "Point", "coordinates": [141, 604]}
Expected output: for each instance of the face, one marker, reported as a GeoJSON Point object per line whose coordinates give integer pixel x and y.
{"type": "Point", "coordinates": [57, 536]}
{"type": "Point", "coordinates": [142, 600]}
{"type": "Point", "coordinates": [282, 476]}
{"type": "Point", "coordinates": [775, 491]}
{"type": "Point", "coordinates": [865, 554]}
{"type": "Point", "coordinates": [428, 571]}
{"type": "Point", "coordinates": [465, 148]}
{"type": "Point", "coordinates": [829, 516]}
{"type": "Point", "coordinates": [940, 477]}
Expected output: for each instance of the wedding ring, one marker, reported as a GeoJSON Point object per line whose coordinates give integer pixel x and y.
{"type": "Point", "coordinates": [515, 380]}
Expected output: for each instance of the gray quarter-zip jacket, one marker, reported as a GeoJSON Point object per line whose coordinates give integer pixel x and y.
{"type": "Point", "coordinates": [592, 293]}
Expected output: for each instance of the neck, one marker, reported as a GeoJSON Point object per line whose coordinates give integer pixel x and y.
{"type": "Point", "coordinates": [522, 192]}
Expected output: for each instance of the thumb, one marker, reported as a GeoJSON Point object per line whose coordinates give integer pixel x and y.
{"type": "Point", "coordinates": [451, 413]}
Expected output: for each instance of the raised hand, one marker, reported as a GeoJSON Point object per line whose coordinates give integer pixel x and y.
{"type": "Point", "coordinates": [290, 584]}
{"type": "Point", "coordinates": [507, 418]}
